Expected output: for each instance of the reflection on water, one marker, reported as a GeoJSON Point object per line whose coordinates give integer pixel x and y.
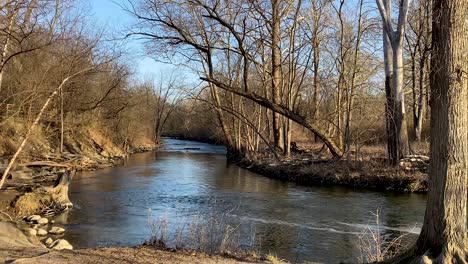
{"type": "Point", "coordinates": [190, 179]}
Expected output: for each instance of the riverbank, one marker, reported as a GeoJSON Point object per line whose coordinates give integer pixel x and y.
{"type": "Point", "coordinates": [410, 176]}
{"type": "Point", "coordinates": [142, 255]}
{"type": "Point", "coordinates": [16, 247]}
{"type": "Point", "coordinates": [41, 174]}
{"type": "Point", "coordinates": [311, 166]}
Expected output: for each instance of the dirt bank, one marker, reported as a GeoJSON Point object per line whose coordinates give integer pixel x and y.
{"type": "Point", "coordinates": [108, 255]}
{"type": "Point", "coordinates": [358, 175]}
{"type": "Point", "coordinates": [16, 247]}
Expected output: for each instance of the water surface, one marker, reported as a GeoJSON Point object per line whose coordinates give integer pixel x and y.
{"type": "Point", "coordinates": [191, 180]}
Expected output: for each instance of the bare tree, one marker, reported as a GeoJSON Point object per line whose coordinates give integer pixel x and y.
{"type": "Point", "coordinates": [25, 18]}
{"type": "Point", "coordinates": [35, 123]}
{"type": "Point", "coordinates": [394, 72]}
{"type": "Point", "coordinates": [419, 47]}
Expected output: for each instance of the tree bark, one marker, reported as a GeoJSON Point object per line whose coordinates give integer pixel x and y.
{"type": "Point", "coordinates": [398, 113]}
{"type": "Point", "coordinates": [389, 94]}
{"type": "Point", "coordinates": [276, 72]}
{"type": "Point", "coordinates": [443, 238]}
{"type": "Point", "coordinates": [403, 148]}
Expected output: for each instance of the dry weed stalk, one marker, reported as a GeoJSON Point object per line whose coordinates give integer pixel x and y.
{"type": "Point", "coordinates": [374, 246]}
{"type": "Point", "coordinates": [211, 234]}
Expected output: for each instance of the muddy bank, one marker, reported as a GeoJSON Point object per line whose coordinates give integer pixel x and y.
{"type": "Point", "coordinates": [357, 175]}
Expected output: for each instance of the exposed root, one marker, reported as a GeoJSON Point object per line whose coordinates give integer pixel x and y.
{"type": "Point", "coordinates": [452, 253]}
{"type": "Point", "coordinates": [46, 200]}
{"type": "Point", "coordinates": [3, 213]}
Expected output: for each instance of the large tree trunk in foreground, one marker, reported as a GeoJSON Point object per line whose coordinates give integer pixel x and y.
{"type": "Point", "coordinates": [443, 238]}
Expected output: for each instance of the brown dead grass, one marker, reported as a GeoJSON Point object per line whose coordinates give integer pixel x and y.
{"type": "Point", "coordinates": [110, 255]}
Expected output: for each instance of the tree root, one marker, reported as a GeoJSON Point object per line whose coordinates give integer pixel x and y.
{"type": "Point", "coordinates": [48, 200]}
{"type": "Point", "coordinates": [450, 254]}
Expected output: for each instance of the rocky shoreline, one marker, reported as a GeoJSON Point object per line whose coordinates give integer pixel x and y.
{"type": "Point", "coordinates": [48, 233]}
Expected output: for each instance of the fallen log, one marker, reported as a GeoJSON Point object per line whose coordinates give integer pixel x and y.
{"type": "Point", "coordinates": [46, 164]}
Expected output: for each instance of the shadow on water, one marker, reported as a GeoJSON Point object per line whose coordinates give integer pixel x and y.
{"type": "Point", "coordinates": [190, 179]}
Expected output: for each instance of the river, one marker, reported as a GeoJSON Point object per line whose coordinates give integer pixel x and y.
{"type": "Point", "coordinates": [190, 182]}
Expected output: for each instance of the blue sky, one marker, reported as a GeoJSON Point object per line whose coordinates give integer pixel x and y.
{"type": "Point", "coordinates": [109, 15]}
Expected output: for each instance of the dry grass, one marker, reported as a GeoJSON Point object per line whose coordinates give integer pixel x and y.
{"type": "Point", "coordinates": [273, 258]}
{"type": "Point", "coordinates": [210, 234]}
{"type": "Point", "coordinates": [375, 246]}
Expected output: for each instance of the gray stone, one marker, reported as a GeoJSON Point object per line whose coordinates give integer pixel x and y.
{"type": "Point", "coordinates": [43, 221]}
{"type": "Point", "coordinates": [56, 230]}
{"type": "Point", "coordinates": [61, 244]}
{"type": "Point", "coordinates": [41, 232]}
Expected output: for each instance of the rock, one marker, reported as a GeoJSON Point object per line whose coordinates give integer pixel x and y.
{"type": "Point", "coordinates": [31, 232]}
{"type": "Point", "coordinates": [49, 241]}
{"type": "Point", "coordinates": [34, 218]}
{"type": "Point", "coordinates": [12, 236]}
{"type": "Point", "coordinates": [56, 230]}
{"type": "Point", "coordinates": [41, 232]}
{"type": "Point", "coordinates": [61, 244]}
{"type": "Point", "coordinates": [43, 221]}
{"type": "Point", "coordinates": [52, 221]}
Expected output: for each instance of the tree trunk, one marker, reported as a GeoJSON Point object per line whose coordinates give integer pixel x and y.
{"type": "Point", "coordinates": [395, 38]}
{"type": "Point", "coordinates": [400, 111]}
{"type": "Point", "coordinates": [316, 84]}
{"type": "Point", "coordinates": [443, 238]}
{"type": "Point", "coordinates": [60, 190]}
{"type": "Point", "coordinates": [276, 72]}
{"type": "Point", "coordinates": [389, 106]}
{"type": "Point", "coordinates": [419, 115]}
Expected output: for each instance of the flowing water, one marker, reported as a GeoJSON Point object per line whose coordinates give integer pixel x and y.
{"type": "Point", "coordinates": [190, 180]}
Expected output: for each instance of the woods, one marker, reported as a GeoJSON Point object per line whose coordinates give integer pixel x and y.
{"type": "Point", "coordinates": [63, 82]}
{"type": "Point", "coordinates": [274, 74]}
{"type": "Point", "coordinates": [349, 93]}
{"type": "Point", "coordinates": [277, 66]}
